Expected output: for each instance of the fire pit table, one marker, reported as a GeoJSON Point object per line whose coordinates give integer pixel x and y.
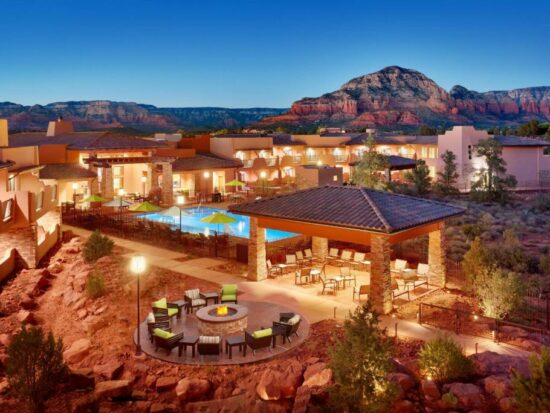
{"type": "Point", "coordinates": [222, 319]}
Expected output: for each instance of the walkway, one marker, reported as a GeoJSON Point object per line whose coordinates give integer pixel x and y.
{"type": "Point", "coordinates": [313, 307]}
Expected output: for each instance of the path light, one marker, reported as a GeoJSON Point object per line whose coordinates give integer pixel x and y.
{"type": "Point", "coordinates": [180, 200]}
{"type": "Point", "coordinates": [121, 194]}
{"type": "Point", "coordinates": [137, 267]}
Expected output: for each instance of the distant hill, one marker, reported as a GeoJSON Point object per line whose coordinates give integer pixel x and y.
{"type": "Point", "coordinates": [399, 97]}
{"type": "Point", "coordinates": [103, 114]}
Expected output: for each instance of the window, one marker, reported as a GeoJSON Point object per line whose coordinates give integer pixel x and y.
{"type": "Point", "coordinates": [39, 200]}
{"type": "Point", "coordinates": [11, 183]}
{"type": "Point", "coordinates": [8, 211]}
{"type": "Point", "coordinates": [423, 152]}
{"type": "Point", "coordinates": [432, 153]}
{"type": "Point", "coordinates": [54, 193]}
{"type": "Point", "coordinates": [335, 178]}
{"type": "Point", "coordinates": [118, 171]}
{"type": "Point", "coordinates": [470, 152]}
{"type": "Point", "coordinates": [176, 180]}
{"type": "Point", "coordinates": [117, 183]}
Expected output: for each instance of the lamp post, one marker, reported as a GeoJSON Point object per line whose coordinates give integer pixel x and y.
{"type": "Point", "coordinates": [75, 187]}
{"type": "Point", "coordinates": [180, 200]}
{"type": "Point", "coordinates": [137, 267]}
{"type": "Point", "coordinates": [144, 182]}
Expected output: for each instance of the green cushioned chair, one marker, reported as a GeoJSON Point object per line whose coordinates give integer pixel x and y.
{"type": "Point", "coordinates": [229, 293]}
{"type": "Point", "coordinates": [163, 307]}
{"type": "Point", "coordinates": [259, 339]}
{"type": "Point", "coordinates": [166, 339]}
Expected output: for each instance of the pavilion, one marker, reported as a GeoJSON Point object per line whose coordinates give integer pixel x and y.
{"type": "Point", "coordinates": [352, 214]}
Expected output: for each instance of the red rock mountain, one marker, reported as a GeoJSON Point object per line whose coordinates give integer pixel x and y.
{"type": "Point", "coordinates": [395, 96]}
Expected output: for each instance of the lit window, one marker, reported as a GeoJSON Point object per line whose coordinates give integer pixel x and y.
{"type": "Point", "coordinates": [433, 153]}
{"type": "Point", "coordinates": [117, 183]}
{"type": "Point", "coordinates": [39, 200]}
{"type": "Point", "coordinates": [8, 211]}
{"type": "Point", "coordinates": [11, 183]}
{"type": "Point", "coordinates": [424, 152]}
{"type": "Point", "coordinates": [118, 171]}
{"type": "Point", "coordinates": [54, 192]}
{"type": "Point", "coordinates": [335, 178]}
{"type": "Point", "coordinates": [176, 181]}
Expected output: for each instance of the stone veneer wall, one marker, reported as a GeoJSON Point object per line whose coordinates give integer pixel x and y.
{"type": "Point", "coordinates": [107, 190]}
{"type": "Point", "coordinates": [437, 257]}
{"type": "Point", "coordinates": [319, 247]}
{"type": "Point", "coordinates": [257, 269]}
{"type": "Point", "coordinates": [380, 279]}
{"type": "Point", "coordinates": [222, 329]}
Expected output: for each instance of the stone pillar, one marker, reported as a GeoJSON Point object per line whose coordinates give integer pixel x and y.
{"type": "Point", "coordinates": [24, 240]}
{"type": "Point", "coordinates": [154, 177]}
{"type": "Point", "coordinates": [167, 186]}
{"type": "Point", "coordinates": [380, 276]}
{"type": "Point", "coordinates": [257, 268]}
{"type": "Point", "coordinates": [93, 182]}
{"type": "Point", "coordinates": [437, 257]}
{"type": "Point", "coordinates": [107, 190]}
{"type": "Point", "coordinates": [319, 247]}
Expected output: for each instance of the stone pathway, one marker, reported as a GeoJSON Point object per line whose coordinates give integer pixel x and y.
{"type": "Point", "coordinates": [312, 306]}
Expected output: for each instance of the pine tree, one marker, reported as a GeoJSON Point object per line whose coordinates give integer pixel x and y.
{"type": "Point", "coordinates": [419, 178]}
{"type": "Point", "coordinates": [446, 179]}
{"type": "Point", "coordinates": [367, 172]}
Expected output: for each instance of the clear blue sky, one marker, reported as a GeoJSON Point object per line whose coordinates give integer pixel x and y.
{"type": "Point", "coordinates": [261, 53]}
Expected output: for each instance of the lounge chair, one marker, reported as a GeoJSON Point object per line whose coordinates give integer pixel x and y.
{"type": "Point", "coordinates": [229, 293]}
{"type": "Point", "coordinates": [347, 276]}
{"type": "Point", "coordinates": [329, 284]}
{"type": "Point", "coordinates": [193, 300]}
{"type": "Point", "coordinates": [273, 270]}
{"type": "Point", "coordinates": [301, 259]}
{"type": "Point", "coordinates": [301, 274]}
{"type": "Point", "coordinates": [361, 290]}
{"type": "Point", "coordinates": [160, 321]}
{"type": "Point", "coordinates": [359, 260]}
{"type": "Point", "coordinates": [345, 258]}
{"type": "Point", "coordinates": [395, 290]}
{"type": "Point", "coordinates": [309, 255]}
{"type": "Point", "coordinates": [333, 255]}
{"type": "Point", "coordinates": [166, 339]}
{"type": "Point", "coordinates": [163, 308]}
{"type": "Point", "coordinates": [398, 267]}
{"type": "Point", "coordinates": [410, 277]}
{"type": "Point", "coordinates": [291, 324]}
{"type": "Point", "coordinates": [259, 339]}
{"type": "Point", "coordinates": [209, 346]}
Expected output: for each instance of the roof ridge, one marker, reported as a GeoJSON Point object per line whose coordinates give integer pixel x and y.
{"type": "Point", "coordinates": [376, 210]}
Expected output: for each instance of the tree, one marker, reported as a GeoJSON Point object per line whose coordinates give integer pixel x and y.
{"type": "Point", "coordinates": [446, 179]}
{"type": "Point", "coordinates": [35, 365]}
{"type": "Point", "coordinates": [499, 292]}
{"type": "Point", "coordinates": [531, 128]}
{"type": "Point", "coordinates": [443, 360]}
{"type": "Point", "coordinates": [492, 183]}
{"type": "Point", "coordinates": [532, 393]}
{"type": "Point", "coordinates": [367, 172]}
{"type": "Point", "coordinates": [419, 178]}
{"type": "Point", "coordinates": [361, 362]}
{"type": "Point", "coordinates": [427, 130]}
{"type": "Point", "coordinates": [474, 261]}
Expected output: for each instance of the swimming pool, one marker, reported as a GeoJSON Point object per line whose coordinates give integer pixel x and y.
{"type": "Point", "coordinates": [192, 223]}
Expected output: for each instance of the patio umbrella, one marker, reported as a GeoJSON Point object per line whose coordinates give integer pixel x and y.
{"type": "Point", "coordinates": [235, 183]}
{"type": "Point", "coordinates": [116, 203]}
{"type": "Point", "coordinates": [174, 212]}
{"type": "Point", "coordinates": [94, 198]}
{"type": "Point", "coordinates": [218, 218]}
{"type": "Point", "coordinates": [145, 207]}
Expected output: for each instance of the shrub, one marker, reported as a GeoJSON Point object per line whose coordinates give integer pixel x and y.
{"type": "Point", "coordinates": [499, 292]}
{"type": "Point", "coordinates": [533, 393]}
{"type": "Point", "coordinates": [542, 203]}
{"type": "Point", "coordinates": [34, 366]}
{"type": "Point", "coordinates": [95, 284]}
{"type": "Point", "coordinates": [361, 362]}
{"type": "Point", "coordinates": [97, 246]}
{"type": "Point", "coordinates": [444, 361]}
{"type": "Point", "coordinates": [544, 264]}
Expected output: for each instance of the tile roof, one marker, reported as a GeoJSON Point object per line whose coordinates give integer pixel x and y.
{"type": "Point", "coordinates": [203, 161]}
{"type": "Point", "coordinates": [351, 207]}
{"type": "Point", "coordinates": [242, 135]}
{"type": "Point", "coordinates": [84, 140]}
{"type": "Point", "coordinates": [396, 162]}
{"type": "Point", "coordinates": [6, 164]}
{"type": "Point", "coordinates": [65, 171]}
{"type": "Point", "coordinates": [396, 139]}
{"type": "Point", "coordinates": [285, 140]}
{"type": "Point", "coordinates": [506, 140]}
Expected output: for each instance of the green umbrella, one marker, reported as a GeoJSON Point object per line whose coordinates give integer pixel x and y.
{"type": "Point", "coordinates": [218, 218]}
{"type": "Point", "coordinates": [235, 182]}
{"type": "Point", "coordinates": [94, 198]}
{"type": "Point", "coordinates": [144, 207]}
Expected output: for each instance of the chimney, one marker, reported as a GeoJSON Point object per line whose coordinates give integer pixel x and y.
{"type": "Point", "coordinates": [59, 127]}
{"type": "Point", "coordinates": [4, 132]}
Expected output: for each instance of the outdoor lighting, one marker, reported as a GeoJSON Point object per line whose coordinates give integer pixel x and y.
{"type": "Point", "coordinates": [137, 267]}
{"type": "Point", "coordinates": [143, 179]}
{"type": "Point", "coordinates": [75, 186]}
{"type": "Point", "coordinates": [263, 174]}
{"type": "Point", "coordinates": [429, 377]}
{"type": "Point", "coordinates": [319, 163]}
{"type": "Point", "coordinates": [476, 317]}
{"type": "Point", "coordinates": [180, 200]}
{"type": "Point", "coordinates": [207, 232]}
{"type": "Point", "coordinates": [206, 174]}
{"type": "Point", "coordinates": [121, 192]}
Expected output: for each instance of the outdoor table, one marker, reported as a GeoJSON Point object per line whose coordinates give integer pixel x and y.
{"type": "Point", "coordinates": [315, 274]}
{"type": "Point", "coordinates": [188, 341]}
{"type": "Point", "coordinates": [339, 282]}
{"type": "Point", "coordinates": [210, 295]}
{"type": "Point", "coordinates": [278, 331]}
{"type": "Point", "coordinates": [234, 341]}
{"type": "Point", "coordinates": [182, 305]}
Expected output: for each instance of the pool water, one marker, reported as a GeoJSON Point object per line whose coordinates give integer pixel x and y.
{"type": "Point", "coordinates": [192, 223]}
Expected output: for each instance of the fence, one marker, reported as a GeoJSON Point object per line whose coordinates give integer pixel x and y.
{"type": "Point", "coordinates": [131, 226]}
{"type": "Point", "coordinates": [462, 321]}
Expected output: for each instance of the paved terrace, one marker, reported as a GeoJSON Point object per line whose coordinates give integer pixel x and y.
{"type": "Point", "coordinates": [305, 301]}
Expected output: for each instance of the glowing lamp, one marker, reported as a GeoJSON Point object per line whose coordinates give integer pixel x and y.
{"type": "Point", "coordinates": [180, 200]}
{"type": "Point", "coordinates": [121, 192]}
{"type": "Point", "coordinates": [143, 179]}
{"type": "Point", "coordinates": [206, 174]}
{"type": "Point", "coordinates": [137, 264]}
{"type": "Point", "coordinates": [263, 174]}
{"type": "Point", "coordinates": [75, 186]}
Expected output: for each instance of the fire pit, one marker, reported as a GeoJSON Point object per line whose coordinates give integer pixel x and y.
{"type": "Point", "coordinates": [222, 319]}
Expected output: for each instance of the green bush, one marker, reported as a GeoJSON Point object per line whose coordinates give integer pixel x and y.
{"type": "Point", "coordinates": [544, 264]}
{"type": "Point", "coordinates": [97, 246]}
{"type": "Point", "coordinates": [35, 366]}
{"type": "Point", "coordinates": [444, 361]}
{"type": "Point", "coordinates": [500, 292]}
{"type": "Point", "coordinates": [533, 393]}
{"type": "Point", "coordinates": [95, 284]}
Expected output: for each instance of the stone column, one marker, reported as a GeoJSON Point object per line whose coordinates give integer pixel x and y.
{"type": "Point", "coordinates": [319, 247]}
{"type": "Point", "coordinates": [154, 177]}
{"type": "Point", "coordinates": [380, 278]}
{"type": "Point", "coordinates": [167, 186]}
{"type": "Point", "coordinates": [437, 257]}
{"type": "Point", "coordinates": [257, 269]}
{"type": "Point", "coordinates": [107, 190]}
{"type": "Point", "coordinates": [93, 182]}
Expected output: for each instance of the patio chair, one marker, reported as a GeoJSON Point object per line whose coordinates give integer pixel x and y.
{"type": "Point", "coordinates": [166, 339]}
{"type": "Point", "coordinates": [410, 277]}
{"type": "Point", "coordinates": [395, 290]}
{"type": "Point", "coordinates": [302, 273]}
{"type": "Point", "coordinates": [161, 321]}
{"type": "Point", "coordinates": [398, 267]}
{"type": "Point", "coordinates": [193, 300]}
{"type": "Point", "coordinates": [309, 255]}
{"type": "Point", "coordinates": [291, 324]}
{"type": "Point", "coordinates": [333, 255]}
{"type": "Point", "coordinates": [163, 308]}
{"type": "Point", "coordinates": [345, 258]}
{"type": "Point", "coordinates": [359, 260]}
{"type": "Point", "coordinates": [301, 259]}
{"type": "Point", "coordinates": [347, 276]}
{"type": "Point", "coordinates": [209, 346]}
{"type": "Point", "coordinates": [259, 339]}
{"type": "Point", "coordinates": [329, 284]}
{"type": "Point", "coordinates": [423, 271]}
{"type": "Point", "coordinates": [361, 290]}
{"type": "Point", "coordinates": [229, 293]}
{"type": "Point", "coordinates": [273, 270]}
